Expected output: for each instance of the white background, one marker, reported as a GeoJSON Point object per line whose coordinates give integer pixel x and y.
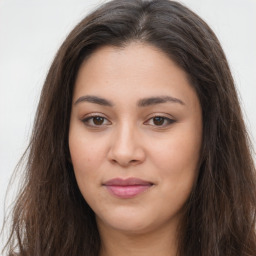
{"type": "Point", "coordinates": [32, 30]}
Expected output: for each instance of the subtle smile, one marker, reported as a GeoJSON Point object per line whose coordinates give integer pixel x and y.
{"type": "Point", "coordinates": [127, 188]}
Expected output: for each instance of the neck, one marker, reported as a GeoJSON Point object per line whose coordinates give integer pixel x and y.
{"type": "Point", "coordinates": [162, 243]}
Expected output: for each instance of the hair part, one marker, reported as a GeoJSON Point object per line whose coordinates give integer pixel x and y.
{"type": "Point", "coordinates": [52, 218]}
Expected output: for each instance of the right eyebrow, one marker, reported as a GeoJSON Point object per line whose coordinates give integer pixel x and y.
{"type": "Point", "coordinates": [94, 99]}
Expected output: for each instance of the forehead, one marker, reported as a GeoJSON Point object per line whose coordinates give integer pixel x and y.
{"type": "Point", "coordinates": [136, 70]}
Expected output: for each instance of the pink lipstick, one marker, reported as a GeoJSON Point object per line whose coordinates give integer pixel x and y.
{"type": "Point", "coordinates": [127, 188]}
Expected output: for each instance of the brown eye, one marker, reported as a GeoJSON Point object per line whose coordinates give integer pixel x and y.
{"type": "Point", "coordinates": [158, 120]}
{"type": "Point", "coordinates": [98, 120]}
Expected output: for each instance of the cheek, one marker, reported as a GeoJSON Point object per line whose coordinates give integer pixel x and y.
{"type": "Point", "coordinates": [82, 156]}
{"type": "Point", "coordinates": [177, 161]}
{"type": "Point", "coordinates": [86, 157]}
{"type": "Point", "coordinates": [177, 154]}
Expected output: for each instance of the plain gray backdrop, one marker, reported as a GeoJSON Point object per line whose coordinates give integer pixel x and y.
{"type": "Point", "coordinates": [31, 31]}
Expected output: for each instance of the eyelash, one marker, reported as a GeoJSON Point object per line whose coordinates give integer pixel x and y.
{"type": "Point", "coordinates": [167, 121]}
{"type": "Point", "coordinates": [91, 118]}
{"type": "Point", "coordinates": [88, 121]}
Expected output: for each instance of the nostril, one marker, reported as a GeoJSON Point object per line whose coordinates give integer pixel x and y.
{"type": "Point", "coordinates": [124, 163]}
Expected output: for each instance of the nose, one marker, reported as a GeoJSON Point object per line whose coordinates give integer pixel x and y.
{"type": "Point", "coordinates": [126, 147]}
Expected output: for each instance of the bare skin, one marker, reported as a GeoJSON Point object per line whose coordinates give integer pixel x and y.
{"type": "Point", "coordinates": [135, 116]}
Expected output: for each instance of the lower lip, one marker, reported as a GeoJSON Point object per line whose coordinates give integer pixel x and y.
{"type": "Point", "coordinates": [127, 191]}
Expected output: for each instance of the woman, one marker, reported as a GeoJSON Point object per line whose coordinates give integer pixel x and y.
{"type": "Point", "coordinates": [135, 147]}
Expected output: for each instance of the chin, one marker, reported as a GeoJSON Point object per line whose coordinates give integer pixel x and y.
{"type": "Point", "coordinates": [127, 222]}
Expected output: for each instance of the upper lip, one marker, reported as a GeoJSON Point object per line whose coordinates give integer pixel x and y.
{"type": "Point", "coordinates": [127, 182]}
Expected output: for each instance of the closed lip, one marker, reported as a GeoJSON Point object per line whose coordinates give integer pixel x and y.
{"type": "Point", "coordinates": [127, 182]}
{"type": "Point", "coordinates": [127, 188]}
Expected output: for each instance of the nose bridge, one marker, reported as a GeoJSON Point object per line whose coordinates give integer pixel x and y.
{"type": "Point", "coordinates": [124, 141]}
{"type": "Point", "coordinates": [126, 148]}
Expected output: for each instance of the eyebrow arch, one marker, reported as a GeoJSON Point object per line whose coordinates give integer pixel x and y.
{"type": "Point", "coordinates": [94, 99]}
{"type": "Point", "coordinates": [157, 100]}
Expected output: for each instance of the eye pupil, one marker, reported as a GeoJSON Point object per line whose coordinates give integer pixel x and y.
{"type": "Point", "coordinates": [158, 120]}
{"type": "Point", "coordinates": [98, 120]}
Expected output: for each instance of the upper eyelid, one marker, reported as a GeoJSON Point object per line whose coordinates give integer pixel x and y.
{"type": "Point", "coordinates": [164, 115]}
{"type": "Point", "coordinates": [166, 118]}
{"type": "Point", "coordinates": [94, 115]}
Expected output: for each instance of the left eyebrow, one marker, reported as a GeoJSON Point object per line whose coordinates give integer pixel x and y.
{"type": "Point", "coordinates": [158, 100]}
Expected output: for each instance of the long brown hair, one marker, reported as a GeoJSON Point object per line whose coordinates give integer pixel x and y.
{"type": "Point", "coordinates": [51, 217]}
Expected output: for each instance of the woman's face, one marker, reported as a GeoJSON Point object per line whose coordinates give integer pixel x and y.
{"type": "Point", "coordinates": [135, 137]}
